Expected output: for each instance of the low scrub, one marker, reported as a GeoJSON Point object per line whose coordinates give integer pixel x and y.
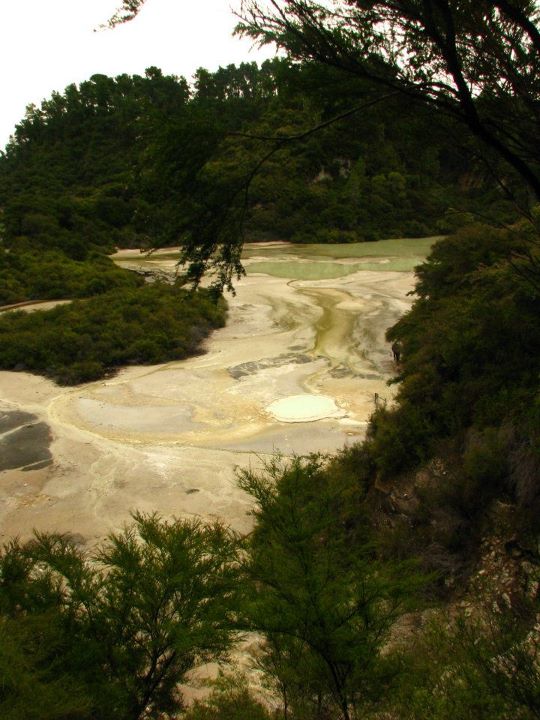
{"type": "Point", "coordinates": [89, 339]}
{"type": "Point", "coordinates": [36, 274]}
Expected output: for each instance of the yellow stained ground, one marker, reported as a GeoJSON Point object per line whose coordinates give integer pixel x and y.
{"type": "Point", "coordinates": [169, 437]}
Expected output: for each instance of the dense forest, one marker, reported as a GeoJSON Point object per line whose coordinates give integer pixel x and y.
{"type": "Point", "coordinates": [152, 161]}
{"type": "Point", "coordinates": [398, 579]}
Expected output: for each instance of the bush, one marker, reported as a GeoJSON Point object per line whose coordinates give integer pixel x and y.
{"type": "Point", "coordinates": [483, 667]}
{"type": "Point", "coordinates": [485, 465]}
{"type": "Point", "coordinates": [79, 372]}
{"type": "Point", "coordinates": [231, 699]}
{"type": "Point", "coordinates": [49, 275]}
{"type": "Point", "coordinates": [470, 348]}
{"type": "Point", "coordinates": [87, 339]}
{"type": "Point", "coordinates": [122, 627]}
{"type": "Point", "coordinates": [324, 604]}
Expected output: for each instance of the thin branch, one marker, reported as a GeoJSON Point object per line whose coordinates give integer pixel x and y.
{"type": "Point", "coordinates": [280, 141]}
{"type": "Point", "coordinates": [517, 15]}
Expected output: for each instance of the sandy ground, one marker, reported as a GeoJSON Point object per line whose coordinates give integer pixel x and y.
{"type": "Point", "coordinates": [296, 368]}
{"type": "Point", "coordinates": [31, 306]}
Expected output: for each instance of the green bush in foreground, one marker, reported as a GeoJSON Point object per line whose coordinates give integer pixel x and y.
{"type": "Point", "coordinates": [90, 338]}
{"type": "Point", "coordinates": [110, 636]}
{"type": "Point", "coordinates": [231, 699]}
{"type": "Point", "coordinates": [324, 606]}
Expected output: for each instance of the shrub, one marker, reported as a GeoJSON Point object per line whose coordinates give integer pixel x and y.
{"type": "Point", "coordinates": [122, 627]}
{"type": "Point", "coordinates": [87, 339]}
{"type": "Point", "coordinates": [230, 699]}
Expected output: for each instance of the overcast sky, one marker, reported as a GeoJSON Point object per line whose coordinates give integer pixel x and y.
{"type": "Point", "coordinates": [47, 44]}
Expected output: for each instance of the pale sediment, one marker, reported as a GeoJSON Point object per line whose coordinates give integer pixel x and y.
{"type": "Point", "coordinates": [304, 408]}
{"type": "Point", "coordinates": [296, 369]}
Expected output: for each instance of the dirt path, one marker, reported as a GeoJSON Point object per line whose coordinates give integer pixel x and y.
{"type": "Point", "coordinates": [33, 305]}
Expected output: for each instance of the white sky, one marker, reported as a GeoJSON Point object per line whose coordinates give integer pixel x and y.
{"type": "Point", "coordinates": [47, 44]}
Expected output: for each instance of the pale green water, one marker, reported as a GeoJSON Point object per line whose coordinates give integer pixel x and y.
{"type": "Point", "coordinates": [301, 271]}
{"type": "Point", "coordinates": [400, 247]}
{"type": "Point", "coordinates": [396, 255]}
{"type": "Point", "coordinates": [296, 270]}
{"type": "Point", "coordinates": [286, 261]}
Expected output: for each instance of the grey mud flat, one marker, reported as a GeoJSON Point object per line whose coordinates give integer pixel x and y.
{"type": "Point", "coordinates": [24, 442]}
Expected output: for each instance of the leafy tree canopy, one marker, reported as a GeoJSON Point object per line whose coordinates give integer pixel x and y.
{"type": "Point", "coordinates": [148, 161]}
{"type": "Point", "coordinates": [479, 61]}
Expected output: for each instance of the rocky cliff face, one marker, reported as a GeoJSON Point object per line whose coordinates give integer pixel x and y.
{"type": "Point", "coordinates": [491, 553]}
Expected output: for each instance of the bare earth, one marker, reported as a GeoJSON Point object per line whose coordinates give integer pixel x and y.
{"type": "Point", "coordinates": [296, 369]}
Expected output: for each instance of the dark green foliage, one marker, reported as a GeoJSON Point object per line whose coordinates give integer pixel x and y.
{"type": "Point", "coordinates": [67, 178]}
{"type": "Point", "coordinates": [470, 347]}
{"type": "Point", "coordinates": [90, 338]}
{"type": "Point", "coordinates": [466, 414]}
{"type": "Point", "coordinates": [147, 161]}
{"type": "Point", "coordinates": [230, 700]}
{"type": "Point", "coordinates": [324, 604]}
{"type": "Point", "coordinates": [474, 61]}
{"type": "Point", "coordinates": [483, 667]}
{"type": "Point", "coordinates": [119, 630]}
{"type": "Point", "coordinates": [51, 275]}
{"type": "Point", "coordinates": [32, 685]}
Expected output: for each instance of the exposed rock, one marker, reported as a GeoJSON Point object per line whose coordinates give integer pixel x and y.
{"type": "Point", "coordinates": [252, 367]}
{"type": "Point", "coordinates": [154, 274]}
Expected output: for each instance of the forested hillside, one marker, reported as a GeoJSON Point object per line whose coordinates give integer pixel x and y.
{"type": "Point", "coordinates": [147, 161]}
{"type": "Point", "coordinates": [400, 578]}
